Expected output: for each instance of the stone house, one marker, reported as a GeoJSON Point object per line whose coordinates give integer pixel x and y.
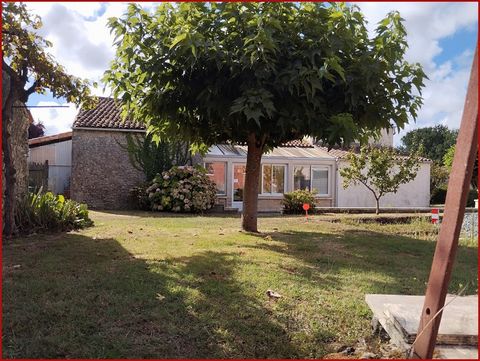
{"type": "Point", "coordinates": [102, 173]}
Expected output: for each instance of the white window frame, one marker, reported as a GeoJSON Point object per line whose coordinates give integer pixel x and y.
{"type": "Point", "coordinates": [327, 168]}
{"type": "Point", "coordinates": [309, 166]}
{"type": "Point", "coordinates": [224, 174]}
{"type": "Point", "coordinates": [285, 179]}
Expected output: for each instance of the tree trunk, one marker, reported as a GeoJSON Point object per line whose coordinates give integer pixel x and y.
{"type": "Point", "coordinates": [377, 206]}
{"type": "Point", "coordinates": [252, 176]}
{"type": "Point", "coordinates": [9, 227]}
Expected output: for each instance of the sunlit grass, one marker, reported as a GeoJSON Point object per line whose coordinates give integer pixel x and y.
{"type": "Point", "coordinates": [142, 285]}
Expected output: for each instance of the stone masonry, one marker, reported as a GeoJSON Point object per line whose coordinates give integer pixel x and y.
{"type": "Point", "coordinates": [102, 174]}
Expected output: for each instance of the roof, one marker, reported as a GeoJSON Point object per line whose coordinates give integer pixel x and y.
{"type": "Point", "coordinates": [337, 153]}
{"type": "Point", "coordinates": [342, 153]}
{"type": "Point", "coordinates": [49, 139]}
{"type": "Point", "coordinates": [290, 151]}
{"type": "Point", "coordinates": [106, 115]}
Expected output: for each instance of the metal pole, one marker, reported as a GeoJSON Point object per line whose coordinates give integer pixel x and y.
{"type": "Point", "coordinates": [447, 243]}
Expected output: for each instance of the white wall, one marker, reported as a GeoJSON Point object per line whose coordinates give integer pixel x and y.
{"type": "Point", "coordinates": [59, 156]}
{"type": "Point", "coordinates": [413, 194]}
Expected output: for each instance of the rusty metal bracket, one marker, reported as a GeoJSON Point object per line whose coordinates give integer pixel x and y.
{"type": "Point", "coordinates": [447, 243]}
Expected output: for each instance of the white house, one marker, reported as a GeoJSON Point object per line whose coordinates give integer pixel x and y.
{"type": "Point", "coordinates": [102, 174]}
{"type": "Point", "coordinates": [300, 165]}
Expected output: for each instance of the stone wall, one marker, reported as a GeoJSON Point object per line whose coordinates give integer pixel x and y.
{"type": "Point", "coordinates": [101, 170]}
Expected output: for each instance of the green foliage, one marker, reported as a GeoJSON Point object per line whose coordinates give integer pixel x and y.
{"type": "Point", "coordinates": [182, 189]}
{"type": "Point", "coordinates": [436, 141]}
{"type": "Point", "coordinates": [26, 59]}
{"type": "Point", "coordinates": [438, 195]}
{"type": "Point", "coordinates": [218, 72]}
{"type": "Point", "coordinates": [138, 197]}
{"type": "Point", "coordinates": [155, 157]}
{"type": "Point", "coordinates": [438, 177]}
{"type": "Point", "coordinates": [380, 170]}
{"type": "Point", "coordinates": [448, 157]}
{"type": "Point", "coordinates": [448, 162]}
{"type": "Point", "coordinates": [45, 212]}
{"type": "Point", "coordinates": [293, 202]}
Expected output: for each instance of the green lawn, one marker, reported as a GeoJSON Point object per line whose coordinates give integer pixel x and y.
{"type": "Point", "coordinates": [138, 285]}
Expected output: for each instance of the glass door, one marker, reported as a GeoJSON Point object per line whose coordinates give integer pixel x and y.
{"type": "Point", "coordinates": [238, 184]}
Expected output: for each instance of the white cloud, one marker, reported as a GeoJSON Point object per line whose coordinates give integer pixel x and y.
{"type": "Point", "coordinates": [427, 24]}
{"type": "Point", "coordinates": [55, 120]}
{"type": "Point", "coordinates": [83, 44]}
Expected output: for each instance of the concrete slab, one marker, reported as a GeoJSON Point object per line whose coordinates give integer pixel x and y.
{"type": "Point", "coordinates": [399, 316]}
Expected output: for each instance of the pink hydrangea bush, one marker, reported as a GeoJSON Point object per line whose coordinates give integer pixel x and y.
{"type": "Point", "coordinates": [182, 189]}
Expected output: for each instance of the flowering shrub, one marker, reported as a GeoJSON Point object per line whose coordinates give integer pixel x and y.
{"type": "Point", "coordinates": [182, 189]}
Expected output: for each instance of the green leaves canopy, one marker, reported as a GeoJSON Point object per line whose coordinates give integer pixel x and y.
{"type": "Point", "coordinates": [216, 72]}
{"type": "Point", "coordinates": [436, 141]}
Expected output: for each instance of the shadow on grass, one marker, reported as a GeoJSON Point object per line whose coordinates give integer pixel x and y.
{"type": "Point", "coordinates": [72, 296]}
{"type": "Point", "coordinates": [78, 297]}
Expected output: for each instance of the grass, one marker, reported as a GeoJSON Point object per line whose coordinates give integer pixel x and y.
{"type": "Point", "coordinates": [138, 285]}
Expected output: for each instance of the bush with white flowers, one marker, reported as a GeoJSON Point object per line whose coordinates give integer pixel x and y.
{"type": "Point", "coordinates": [182, 189]}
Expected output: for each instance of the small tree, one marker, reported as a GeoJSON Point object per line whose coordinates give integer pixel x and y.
{"type": "Point", "coordinates": [379, 169]}
{"type": "Point", "coordinates": [152, 157]}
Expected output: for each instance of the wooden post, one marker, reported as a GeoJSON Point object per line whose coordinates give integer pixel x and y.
{"type": "Point", "coordinates": [447, 243]}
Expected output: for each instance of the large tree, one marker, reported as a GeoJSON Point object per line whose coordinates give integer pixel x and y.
{"type": "Point", "coordinates": [262, 74]}
{"type": "Point", "coordinates": [435, 141]}
{"type": "Point", "coordinates": [29, 69]}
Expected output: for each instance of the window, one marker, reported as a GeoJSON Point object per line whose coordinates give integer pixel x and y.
{"type": "Point", "coordinates": [301, 177]}
{"type": "Point", "coordinates": [320, 180]}
{"type": "Point", "coordinates": [216, 173]}
{"type": "Point", "coordinates": [273, 179]}
{"type": "Point", "coordinates": [311, 178]}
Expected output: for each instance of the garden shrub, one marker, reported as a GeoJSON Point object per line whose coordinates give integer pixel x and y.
{"type": "Point", "coordinates": [293, 202]}
{"type": "Point", "coordinates": [182, 189]}
{"type": "Point", "coordinates": [438, 195]}
{"type": "Point", "coordinates": [138, 197]}
{"type": "Point", "coordinates": [45, 212]}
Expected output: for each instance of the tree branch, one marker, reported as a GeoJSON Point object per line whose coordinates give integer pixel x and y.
{"type": "Point", "coordinates": [24, 73]}
{"type": "Point", "coordinates": [34, 86]}
{"type": "Point", "coordinates": [370, 188]}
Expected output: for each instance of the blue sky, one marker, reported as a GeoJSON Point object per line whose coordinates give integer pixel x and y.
{"type": "Point", "coordinates": [442, 37]}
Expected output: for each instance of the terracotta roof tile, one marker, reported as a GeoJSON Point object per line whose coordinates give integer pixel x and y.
{"type": "Point", "coordinates": [300, 143]}
{"type": "Point", "coordinates": [106, 115]}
